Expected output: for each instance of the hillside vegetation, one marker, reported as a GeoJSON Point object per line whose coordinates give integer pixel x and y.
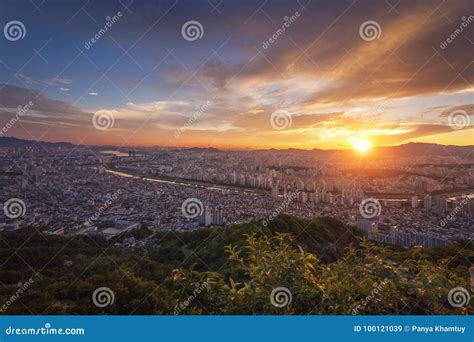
{"type": "Point", "coordinates": [327, 268]}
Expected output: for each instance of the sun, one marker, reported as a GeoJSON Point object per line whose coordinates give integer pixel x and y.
{"type": "Point", "coordinates": [361, 145]}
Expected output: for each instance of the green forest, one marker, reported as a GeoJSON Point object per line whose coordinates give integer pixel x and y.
{"type": "Point", "coordinates": [327, 268]}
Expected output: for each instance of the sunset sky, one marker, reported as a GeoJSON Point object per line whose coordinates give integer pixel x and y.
{"type": "Point", "coordinates": [332, 86]}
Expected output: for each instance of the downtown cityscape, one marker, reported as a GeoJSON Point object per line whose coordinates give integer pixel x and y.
{"type": "Point", "coordinates": [411, 201]}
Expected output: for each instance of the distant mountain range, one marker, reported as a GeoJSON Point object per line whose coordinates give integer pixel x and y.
{"type": "Point", "coordinates": [401, 151]}
{"type": "Point", "coordinates": [424, 149]}
{"type": "Point", "coordinates": [406, 150]}
{"type": "Point", "coordinates": [12, 142]}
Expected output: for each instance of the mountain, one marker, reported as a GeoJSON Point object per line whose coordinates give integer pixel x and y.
{"type": "Point", "coordinates": [424, 149]}
{"type": "Point", "coordinates": [409, 150]}
{"type": "Point", "coordinates": [320, 263]}
{"type": "Point", "coordinates": [12, 142]}
{"type": "Point", "coordinates": [400, 151]}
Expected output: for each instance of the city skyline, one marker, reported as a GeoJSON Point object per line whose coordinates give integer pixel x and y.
{"type": "Point", "coordinates": [238, 76]}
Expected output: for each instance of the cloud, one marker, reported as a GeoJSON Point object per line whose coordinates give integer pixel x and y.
{"type": "Point", "coordinates": [335, 85]}
{"type": "Point", "coordinates": [48, 81]}
{"type": "Point", "coordinates": [448, 110]}
{"type": "Point", "coordinates": [57, 81]}
{"type": "Point", "coordinates": [409, 132]}
{"type": "Point", "coordinates": [405, 61]}
{"type": "Point", "coordinates": [43, 108]}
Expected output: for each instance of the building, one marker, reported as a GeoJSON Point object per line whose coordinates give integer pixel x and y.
{"type": "Point", "coordinates": [212, 216]}
{"type": "Point", "coordinates": [439, 205]}
{"type": "Point", "coordinates": [427, 202]}
{"type": "Point", "coordinates": [218, 217]}
{"type": "Point", "coordinates": [205, 219]}
{"type": "Point", "coordinates": [275, 191]}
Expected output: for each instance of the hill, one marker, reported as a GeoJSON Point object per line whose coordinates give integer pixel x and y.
{"type": "Point", "coordinates": [324, 265]}
{"type": "Point", "coordinates": [12, 142]}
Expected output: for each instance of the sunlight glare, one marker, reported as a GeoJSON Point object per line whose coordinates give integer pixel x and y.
{"type": "Point", "coordinates": [361, 145]}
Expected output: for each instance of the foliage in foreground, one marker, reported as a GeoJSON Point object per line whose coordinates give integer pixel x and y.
{"type": "Point", "coordinates": [326, 267]}
{"type": "Point", "coordinates": [361, 282]}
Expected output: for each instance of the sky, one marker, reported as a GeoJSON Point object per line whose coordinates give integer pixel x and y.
{"type": "Point", "coordinates": [237, 74]}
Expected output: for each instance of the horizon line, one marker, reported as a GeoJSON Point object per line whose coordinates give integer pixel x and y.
{"type": "Point", "coordinates": [227, 148]}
